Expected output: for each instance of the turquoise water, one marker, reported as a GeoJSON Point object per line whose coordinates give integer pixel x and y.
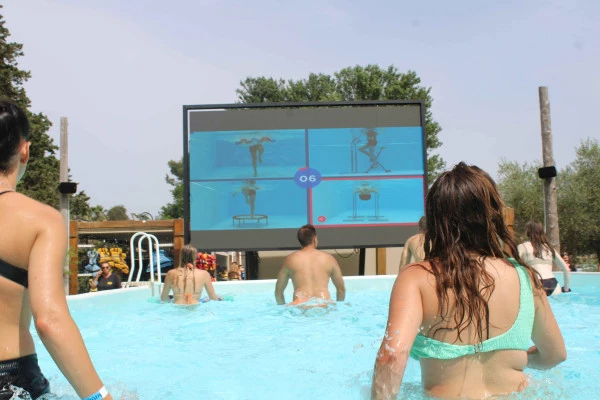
{"type": "Point", "coordinates": [250, 348]}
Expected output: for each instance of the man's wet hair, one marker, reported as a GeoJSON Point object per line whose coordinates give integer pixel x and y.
{"type": "Point", "coordinates": [306, 235]}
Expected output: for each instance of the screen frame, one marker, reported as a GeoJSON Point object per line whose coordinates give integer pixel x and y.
{"type": "Point", "coordinates": [280, 105]}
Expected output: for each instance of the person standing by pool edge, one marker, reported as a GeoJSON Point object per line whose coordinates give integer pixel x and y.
{"type": "Point", "coordinates": [310, 270]}
{"type": "Point", "coordinates": [33, 245]}
{"type": "Point", "coordinates": [105, 279]}
{"type": "Point", "coordinates": [470, 311]}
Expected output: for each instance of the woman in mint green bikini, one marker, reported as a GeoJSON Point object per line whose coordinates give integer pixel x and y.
{"type": "Point", "coordinates": [472, 313]}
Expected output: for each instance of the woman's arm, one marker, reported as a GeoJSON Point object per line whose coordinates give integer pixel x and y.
{"type": "Point", "coordinates": [164, 295]}
{"type": "Point", "coordinates": [549, 349]}
{"type": "Point", "coordinates": [52, 319]}
{"type": "Point", "coordinates": [208, 286]}
{"type": "Point", "coordinates": [522, 250]}
{"type": "Point", "coordinates": [404, 320]}
{"type": "Point", "coordinates": [566, 271]}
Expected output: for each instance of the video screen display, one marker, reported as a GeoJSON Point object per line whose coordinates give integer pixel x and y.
{"type": "Point", "coordinates": [254, 176]}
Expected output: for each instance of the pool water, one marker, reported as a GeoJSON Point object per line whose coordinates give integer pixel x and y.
{"type": "Point", "coordinates": [250, 348]}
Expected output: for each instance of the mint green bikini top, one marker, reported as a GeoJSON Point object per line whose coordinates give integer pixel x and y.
{"type": "Point", "coordinates": [518, 337]}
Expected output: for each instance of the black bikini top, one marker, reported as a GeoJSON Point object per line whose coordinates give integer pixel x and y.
{"type": "Point", "coordinates": [8, 271]}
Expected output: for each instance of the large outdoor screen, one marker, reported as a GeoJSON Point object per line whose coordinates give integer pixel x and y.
{"type": "Point", "coordinates": [255, 173]}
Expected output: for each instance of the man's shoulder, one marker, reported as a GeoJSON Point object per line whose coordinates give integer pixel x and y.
{"type": "Point", "coordinates": [415, 240]}
{"type": "Point", "coordinates": [325, 255]}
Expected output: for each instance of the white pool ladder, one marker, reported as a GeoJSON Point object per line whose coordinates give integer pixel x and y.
{"type": "Point", "coordinates": [153, 247]}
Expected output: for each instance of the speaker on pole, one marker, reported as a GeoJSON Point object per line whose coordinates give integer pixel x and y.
{"type": "Point", "coordinates": [547, 172]}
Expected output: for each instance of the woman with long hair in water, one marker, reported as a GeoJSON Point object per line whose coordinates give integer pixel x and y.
{"type": "Point", "coordinates": [186, 281]}
{"type": "Point", "coordinates": [471, 309]}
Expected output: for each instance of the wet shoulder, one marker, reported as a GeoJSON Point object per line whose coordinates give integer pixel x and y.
{"type": "Point", "coordinates": [419, 272]}
{"type": "Point", "coordinates": [202, 274]}
{"type": "Point", "coordinates": [35, 215]}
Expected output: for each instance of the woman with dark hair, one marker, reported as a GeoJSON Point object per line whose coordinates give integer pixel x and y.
{"type": "Point", "coordinates": [186, 280]}
{"type": "Point", "coordinates": [33, 246]}
{"type": "Point", "coordinates": [538, 253]}
{"type": "Point", "coordinates": [470, 311]}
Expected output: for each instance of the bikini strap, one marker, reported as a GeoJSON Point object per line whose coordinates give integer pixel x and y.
{"type": "Point", "coordinates": [6, 191]}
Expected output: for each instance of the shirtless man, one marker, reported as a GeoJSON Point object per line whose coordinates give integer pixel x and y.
{"type": "Point", "coordinates": [413, 248]}
{"type": "Point", "coordinates": [187, 281]}
{"type": "Point", "coordinates": [310, 270]}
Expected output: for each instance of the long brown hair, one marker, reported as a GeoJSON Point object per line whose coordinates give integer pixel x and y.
{"type": "Point", "coordinates": [537, 237]}
{"type": "Point", "coordinates": [465, 225]}
{"type": "Point", "coordinates": [187, 256]}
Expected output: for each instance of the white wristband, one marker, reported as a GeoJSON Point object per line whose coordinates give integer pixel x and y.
{"type": "Point", "coordinates": [99, 395]}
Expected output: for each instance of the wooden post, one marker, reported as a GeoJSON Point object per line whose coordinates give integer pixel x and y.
{"type": "Point", "coordinates": [178, 239]}
{"type": "Point", "coordinates": [73, 257]}
{"type": "Point", "coordinates": [509, 219]}
{"type": "Point", "coordinates": [380, 262]}
{"type": "Point", "coordinates": [64, 197]}
{"type": "Point", "coordinates": [550, 196]}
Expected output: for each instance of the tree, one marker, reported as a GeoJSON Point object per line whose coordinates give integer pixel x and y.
{"type": "Point", "coordinates": [174, 209]}
{"type": "Point", "coordinates": [352, 83]}
{"type": "Point", "coordinates": [79, 207]}
{"type": "Point", "coordinates": [521, 190]}
{"type": "Point", "coordinates": [117, 213]}
{"type": "Point", "coordinates": [578, 198]}
{"type": "Point", "coordinates": [42, 177]}
{"type": "Point", "coordinates": [98, 213]}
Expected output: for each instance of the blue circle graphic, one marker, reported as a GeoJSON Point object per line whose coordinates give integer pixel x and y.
{"type": "Point", "coordinates": [307, 178]}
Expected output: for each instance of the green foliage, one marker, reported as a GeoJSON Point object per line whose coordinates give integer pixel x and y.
{"type": "Point", "coordinates": [98, 213]}
{"type": "Point", "coordinates": [174, 209]}
{"type": "Point", "coordinates": [43, 170]}
{"type": "Point", "coordinates": [522, 190]}
{"type": "Point", "coordinates": [117, 213]}
{"type": "Point", "coordinates": [79, 207]}
{"type": "Point", "coordinates": [580, 201]}
{"type": "Point", "coordinates": [352, 83]}
{"type": "Point", "coordinates": [578, 193]}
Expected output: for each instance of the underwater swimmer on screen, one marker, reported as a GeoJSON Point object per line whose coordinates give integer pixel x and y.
{"type": "Point", "coordinates": [256, 148]}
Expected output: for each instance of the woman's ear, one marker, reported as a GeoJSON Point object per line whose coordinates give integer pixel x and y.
{"type": "Point", "coordinates": [24, 152]}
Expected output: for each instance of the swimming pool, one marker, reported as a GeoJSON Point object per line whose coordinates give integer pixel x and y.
{"type": "Point", "coordinates": [250, 348]}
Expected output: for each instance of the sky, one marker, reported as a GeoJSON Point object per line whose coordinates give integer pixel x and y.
{"type": "Point", "coordinates": [120, 71]}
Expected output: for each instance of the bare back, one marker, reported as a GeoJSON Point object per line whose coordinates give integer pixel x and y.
{"type": "Point", "coordinates": [187, 284]}
{"type": "Point", "coordinates": [310, 270]}
{"type": "Point", "coordinates": [473, 376]}
{"type": "Point", "coordinates": [21, 219]}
